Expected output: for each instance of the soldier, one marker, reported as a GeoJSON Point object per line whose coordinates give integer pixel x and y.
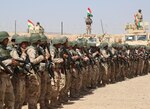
{"type": "Point", "coordinates": [6, 88]}
{"type": "Point", "coordinates": [33, 82]}
{"type": "Point", "coordinates": [107, 57]}
{"type": "Point", "coordinates": [68, 65]}
{"type": "Point", "coordinates": [13, 44]}
{"type": "Point", "coordinates": [57, 59]}
{"type": "Point", "coordinates": [93, 63]}
{"type": "Point", "coordinates": [82, 74]}
{"type": "Point", "coordinates": [18, 79]}
{"type": "Point", "coordinates": [75, 68]}
{"type": "Point", "coordinates": [140, 55]}
{"type": "Point", "coordinates": [39, 29]}
{"type": "Point", "coordinates": [46, 73]}
{"type": "Point", "coordinates": [88, 22]}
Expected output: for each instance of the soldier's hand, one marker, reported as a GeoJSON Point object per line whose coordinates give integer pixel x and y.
{"type": "Point", "coordinates": [75, 57]}
{"type": "Point", "coordinates": [65, 56]}
{"type": "Point", "coordinates": [47, 56]}
{"type": "Point", "coordinates": [14, 62]}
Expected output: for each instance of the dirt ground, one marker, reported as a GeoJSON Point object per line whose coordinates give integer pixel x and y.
{"type": "Point", "coordinates": [130, 94]}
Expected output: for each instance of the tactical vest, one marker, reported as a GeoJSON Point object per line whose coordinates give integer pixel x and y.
{"type": "Point", "coordinates": [88, 21]}
{"type": "Point", "coordinates": [4, 53]}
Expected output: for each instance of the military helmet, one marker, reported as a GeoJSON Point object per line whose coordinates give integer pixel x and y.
{"type": "Point", "coordinates": [55, 41]}
{"type": "Point", "coordinates": [63, 39]}
{"type": "Point", "coordinates": [148, 48]}
{"type": "Point", "coordinates": [3, 35]}
{"type": "Point", "coordinates": [104, 44]}
{"type": "Point", "coordinates": [35, 37]}
{"type": "Point", "coordinates": [114, 44]}
{"type": "Point", "coordinates": [91, 42]}
{"type": "Point", "coordinates": [43, 38]}
{"type": "Point", "coordinates": [72, 43]}
{"type": "Point", "coordinates": [81, 42]}
{"type": "Point", "coordinates": [21, 39]}
{"type": "Point", "coordinates": [14, 37]}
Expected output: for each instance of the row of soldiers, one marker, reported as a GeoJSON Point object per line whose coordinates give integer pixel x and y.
{"type": "Point", "coordinates": [33, 70]}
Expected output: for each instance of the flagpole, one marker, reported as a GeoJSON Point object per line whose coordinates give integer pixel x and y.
{"type": "Point", "coordinates": [102, 26]}
{"type": "Point", "coordinates": [15, 26]}
{"type": "Point", "coordinates": [61, 28]}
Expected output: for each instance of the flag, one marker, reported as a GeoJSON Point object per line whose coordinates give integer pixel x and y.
{"type": "Point", "coordinates": [89, 12]}
{"type": "Point", "coordinates": [30, 24]}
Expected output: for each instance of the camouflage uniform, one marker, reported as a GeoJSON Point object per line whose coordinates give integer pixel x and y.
{"type": "Point", "coordinates": [140, 67]}
{"type": "Point", "coordinates": [18, 79]}
{"type": "Point", "coordinates": [6, 88]}
{"type": "Point", "coordinates": [59, 82]}
{"type": "Point", "coordinates": [34, 85]}
{"type": "Point", "coordinates": [88, 24]}
{"type": "Point", "coordinates": [44, 76]}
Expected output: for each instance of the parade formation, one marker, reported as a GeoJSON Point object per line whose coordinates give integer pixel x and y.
{"type": "Point", "coordinates": [52, 72]}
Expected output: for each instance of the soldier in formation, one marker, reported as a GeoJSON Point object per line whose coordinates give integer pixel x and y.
{"type": "Point", "coordinates": [37, 71]}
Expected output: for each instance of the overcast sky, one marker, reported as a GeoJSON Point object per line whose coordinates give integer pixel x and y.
{"type": "Point", "coordinates": [114, 14]}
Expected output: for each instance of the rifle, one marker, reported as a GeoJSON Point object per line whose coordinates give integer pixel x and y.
{"type": "Point", "coordinates": [50, 65]}
{"type": "Point", "coordinates": [26, 65]}
{"type": "Point", "coordinates": [8, 71]}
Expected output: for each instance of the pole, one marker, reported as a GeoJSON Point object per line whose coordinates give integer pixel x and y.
{"type": "Point", "coordinates": [15, 26]}
{"type": "Point", "coordinates": [61, 28]}
{"type": "Point", "coordinates": [102, 27]}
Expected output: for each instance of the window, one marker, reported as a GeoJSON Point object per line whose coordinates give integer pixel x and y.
{"type": "Point", "coordinates": [142, 37]}
{"type": "Point", "coordinates": [130, 38]}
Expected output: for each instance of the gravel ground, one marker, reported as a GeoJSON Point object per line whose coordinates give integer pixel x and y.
{"type": "Point", "coordinates": [130, 94]}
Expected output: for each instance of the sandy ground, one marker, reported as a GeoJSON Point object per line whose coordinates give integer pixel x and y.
{"type": "Point", "coordinates": [130, 94]}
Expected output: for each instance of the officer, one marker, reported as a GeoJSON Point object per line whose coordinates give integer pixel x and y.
{"type": "Point", "coordinates": [18, 79]}
{"type": "Point", "coordinates": [6, 88]}
{"type": "Point", "coordinates": [34, 84]}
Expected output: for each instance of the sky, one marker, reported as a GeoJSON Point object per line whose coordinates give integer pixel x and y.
{"type": "Point", "coordinates": [113, 13]}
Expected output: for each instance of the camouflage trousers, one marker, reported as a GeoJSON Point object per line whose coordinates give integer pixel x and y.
{"type": "Point", "coordinates": [33, 90]}
{"type": "Point", "coordinates": [88, 29]}
{"type": "Point", "coordinates": [95, 75]}
{"type": "Point", "coordinates": [44, 79]}
{"type": "Point", "coordinates": [19, 86]}
{"type": "Point", "coordinates": [63, 96]}
{"type": "Point", "coordinates": [103, 74]}
{"type": "Point", "coordinates": [57, 86]}
{"type": "Point", "coordinates": [6, 92]}
{"type": "Point", "coordinates": [85, 78]}
{"type": "Point", "coordinates": [140, 67]}
{"type": "Point", "coordinates": [76, 83]}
